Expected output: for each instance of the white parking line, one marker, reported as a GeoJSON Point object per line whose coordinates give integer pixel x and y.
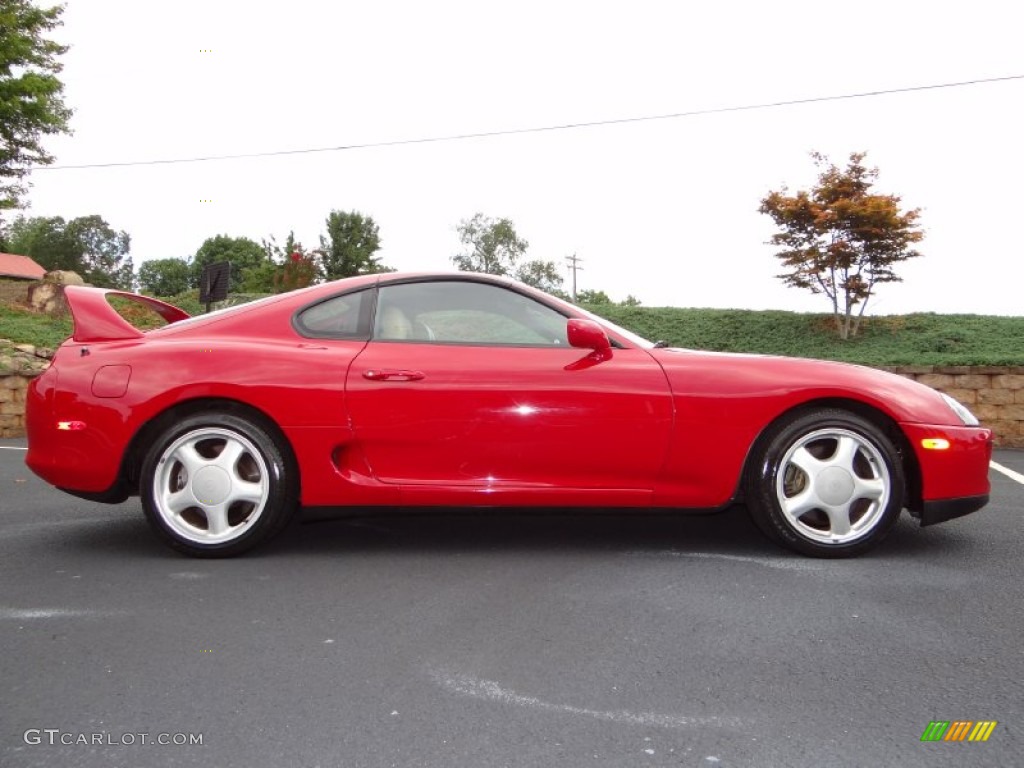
{"type": "Point", "coordinates": [20, 614]}
{"type": "Point", "coordinates": [492, 691]}
{"type": "Point", "coordinates": [769, 562]}
{"type": "Point", "coordinates": [1008, 472]}
{"type": "Point", "coordinates": [12, 448]}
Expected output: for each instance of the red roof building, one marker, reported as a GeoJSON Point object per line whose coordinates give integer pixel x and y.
{"type": "Point", "coordinates": [19, 267]}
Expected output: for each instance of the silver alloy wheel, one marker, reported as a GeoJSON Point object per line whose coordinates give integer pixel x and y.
{"type": "Point", "coordinates": [833, 486]}
{"type": "Point", "coordinates": [211, 485]}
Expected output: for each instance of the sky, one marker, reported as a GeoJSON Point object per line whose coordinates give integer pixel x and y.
{"type": "Point", "coordinates": [664, 210]}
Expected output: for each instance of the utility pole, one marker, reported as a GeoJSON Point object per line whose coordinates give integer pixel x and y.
{"type": "Point", "coordinates": [573, 262]}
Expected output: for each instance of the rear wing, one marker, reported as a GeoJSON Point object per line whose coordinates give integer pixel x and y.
{"type": "Point", "coordinates": [95, 320]}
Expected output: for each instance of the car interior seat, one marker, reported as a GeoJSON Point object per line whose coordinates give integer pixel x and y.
{"type": "Point", "coordinates": [422, 331]}
{"type": "Point", "coordinates": [393, 324]}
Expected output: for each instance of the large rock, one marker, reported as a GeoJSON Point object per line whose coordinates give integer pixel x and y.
{"type": "Point", "coordinates": [47, 295]}
{"type": "Point", "coordinates": [63, 277]}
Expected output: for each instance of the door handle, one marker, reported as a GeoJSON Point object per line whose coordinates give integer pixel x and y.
{"type": "Point", "coordinates": [377, 375]}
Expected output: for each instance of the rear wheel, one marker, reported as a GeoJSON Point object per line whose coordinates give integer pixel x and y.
{"type": "Point", "coordinates": [826, 483]}
{"type": "Point", "coordinates": [216, 485]}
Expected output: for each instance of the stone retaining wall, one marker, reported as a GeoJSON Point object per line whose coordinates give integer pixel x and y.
{"type": "Point", "coordinates": [12, 405]}
{"type": "Point", "coordinates": [14, 291]}
{"type": "Point", "coordinates": [19, 364]}
{"type": "Point", "coordinates": [994, 393]}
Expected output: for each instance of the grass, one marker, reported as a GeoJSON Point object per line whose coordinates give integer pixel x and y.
{"type": "Point", "coordinates": [23, 326]}
{"type": "Point", "coordinates": [917, 339]}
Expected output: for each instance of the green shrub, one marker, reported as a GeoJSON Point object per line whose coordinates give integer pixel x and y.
{"type": "Point", "coordinates": [917, 339]}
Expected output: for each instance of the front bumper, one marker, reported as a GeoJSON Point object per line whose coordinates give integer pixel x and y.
{"type": "Point", "coordinates": [953, 481]}
{"type": "Point", "coordinates": [948, 509]}
{"type": "Point", "coordinates": [958, 471]}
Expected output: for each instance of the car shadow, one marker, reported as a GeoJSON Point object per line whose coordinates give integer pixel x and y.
{"type": "Point", "coordinates": [450, 531]}
{"type": "Point", "coordinates": [444, 532]}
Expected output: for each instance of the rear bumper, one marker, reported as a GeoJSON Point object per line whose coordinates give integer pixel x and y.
{"type": "Point", "coordinates": [85, 461]}
{"type": "Point", "coordinates": [948, 509]}
{"type": "Point", "coordinates": [117, 493]}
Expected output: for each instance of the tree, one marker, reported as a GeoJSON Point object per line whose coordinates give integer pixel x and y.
{"type": "Point", "coordinates": [31, 95]}
{"type": "Point", "coordinates": [284, 268]}
{"type": "Point", "coordinates": [261, 279]}
{"type": "Point", "coordinates": [299, 270]}
{"type": "Point", "coordinates": [87, 245]}
{"type": "Point", "coordinates": [276, 254]}
{"type": "Point", "coordinates": [243, 253]}
{"type": "Point", "coordinates": [540, 274]}
{"type": "Point", "coordinates": [841, 240]}
{"type": "Point", "coordinates": [349, 247]}
{"type": "Point", "coordinates": [105, 256]}
{"type": "Point", "coordinates": [44, 239]}
{"type": "Point", "coordinates": [494, 247]}
{"type": "Point", "coordinates": [165, 277]}
{"type": "Point", "coordinates": [590, 296]}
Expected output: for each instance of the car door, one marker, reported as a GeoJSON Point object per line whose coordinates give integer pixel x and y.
{"type": "Point", "coordinates": [470, 387]}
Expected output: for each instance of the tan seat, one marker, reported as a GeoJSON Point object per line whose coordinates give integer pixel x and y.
{"type": "Point", "coordinates": [393, 324]}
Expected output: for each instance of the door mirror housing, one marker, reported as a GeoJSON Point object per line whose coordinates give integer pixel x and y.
{"type": "Point", "coordinates": [587, 334]}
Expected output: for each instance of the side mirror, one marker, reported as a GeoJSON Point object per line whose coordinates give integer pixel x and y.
{"type": "Point", "coordinates": [587, 334]}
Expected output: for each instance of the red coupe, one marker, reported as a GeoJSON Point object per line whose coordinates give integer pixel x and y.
{"type": "Point", "coordinates": [442, 390]}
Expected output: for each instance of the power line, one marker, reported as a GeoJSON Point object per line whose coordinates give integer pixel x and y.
{"type": "Point", "coordinates": [535, 129]}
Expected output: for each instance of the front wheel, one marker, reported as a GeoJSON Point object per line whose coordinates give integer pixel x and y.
{"type": "Point", "coordinates": [826, 483]}
{"type": "Point", "coordinates": [216, 485]}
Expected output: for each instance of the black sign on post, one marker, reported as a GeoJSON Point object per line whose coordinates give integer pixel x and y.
{"type": "Point", "coordinates": [213, 283]}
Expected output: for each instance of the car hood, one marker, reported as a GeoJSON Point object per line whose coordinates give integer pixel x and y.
{"type": "Point", "coordinates": [724, 374]}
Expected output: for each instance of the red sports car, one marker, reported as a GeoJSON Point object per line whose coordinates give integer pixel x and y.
{"type": "Point", "coordinates": [442, 390]}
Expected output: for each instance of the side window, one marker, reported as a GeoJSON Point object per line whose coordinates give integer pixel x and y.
{"type": "Point", "coordinates": [464, 312]}
{"type": "Point", "coordinates": [342, 317]}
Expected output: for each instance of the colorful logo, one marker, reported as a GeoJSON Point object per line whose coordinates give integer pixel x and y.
{"type": "Point", "coordinates": [959, 730]}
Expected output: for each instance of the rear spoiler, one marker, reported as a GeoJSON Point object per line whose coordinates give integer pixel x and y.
{"type": "Point", "coordinates": [95, 320]}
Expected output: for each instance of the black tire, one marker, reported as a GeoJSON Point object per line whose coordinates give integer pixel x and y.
{"type": "Point", "coordinates": [217, 485]}
{"type": "Point", "coordinates": [846, 496]}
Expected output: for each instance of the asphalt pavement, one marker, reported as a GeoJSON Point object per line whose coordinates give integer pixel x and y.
{"type": "Point", "coordinates": [494, 640]}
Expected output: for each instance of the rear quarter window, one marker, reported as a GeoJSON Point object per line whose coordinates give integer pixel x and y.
{"type": "Point", "coordinates": [341, 317]}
